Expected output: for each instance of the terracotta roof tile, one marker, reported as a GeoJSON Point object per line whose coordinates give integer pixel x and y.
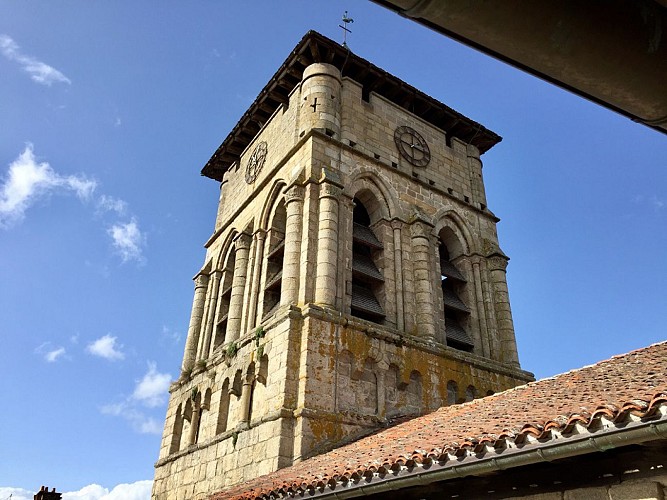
{"type": "Point", "coordinates": [633, 383]}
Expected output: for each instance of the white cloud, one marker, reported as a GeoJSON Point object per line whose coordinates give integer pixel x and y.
{"type": "Point", "coordinates": [153, 388]}
{"type": "Point", "coordinates": [28, 180]}
{"type": "Point", "coordinates": [53, 355]}
{"type": "Point", "coordinates": [140, 422]}
{"type": "Point", "coordinates": [39, 71]}
{"type": "Point", "coordinates": [151, 391]}
{"type": "Point", "coordinates": [107, 348]}
{"type": "Point", "coordinates": [110, 204]}
{"type": "Point", "coordinates": [128, 240]}
{"type": "Point", "coordinates": [50, 353]}
{"type": "Point", "coordinates": [139, 490]}
{"type": "Point", "coordinates": [15, 493]}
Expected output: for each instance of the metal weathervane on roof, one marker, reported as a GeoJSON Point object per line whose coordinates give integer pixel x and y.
{"type": "Point", "coordinates": [346, 20]}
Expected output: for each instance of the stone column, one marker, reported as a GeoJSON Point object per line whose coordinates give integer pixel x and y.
{"type": "Point", "coordinates": [246, 400]}
{"type": "Point", "coordinates": [497, 268]}
{"type": "Point", "coordinates": [491, 323]}
{"type": "Point", "coordinates": [424, 297]}
{"type": "Point", "coordinates": [246, 322]}
{"type": "Point", "coordinates": [398, 272]}
{"type": "Point", "coordinates": [291, 260]}
{"type": "Point", "coordinates": [260, 238]}
{"type": "Point", "coordinates": [481, 307]}
{"type": "Point", "coordinates": [327, 251]}
{"type": "Point", "coordinates": [476, 182]}
{"type": "Point", "coordinates": [242, 244]}
{"type": "Point", "coordinates": [201, 281]}
{"type": "Point", "coordinates": [194, 423]}
{"type": "Point", "coordinates": [212, 302]}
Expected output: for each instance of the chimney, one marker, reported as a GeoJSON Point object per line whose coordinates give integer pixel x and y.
{"type": "Point", "coordinates": [45, 494]}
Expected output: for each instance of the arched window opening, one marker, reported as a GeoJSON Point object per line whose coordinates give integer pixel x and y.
{"type": "Point", "coordinates": [415, 392]}
{"type": "Point", "coordinates": [471, 393]}
{"type": "Point", "coordinates": [367, 280]}
{"type": "Point", "coordinates": [186, 425]}
{"type": "Point", "coordinates": [225, 298]}
{"type": "Point", "coordinates": [175, 444]}
{"type": "Point", "coordinates": [367, 397]}
{"type": "Point", "coordinates": [452, 392]}
{"type": "Point", "coordinates": [457, 313]}
{"type": "Point", "coordinates": [223, 409]}
{"type": "Point", "coordinates": [274, 260]}
{"type": "Point", "coordinates": [250, 386]}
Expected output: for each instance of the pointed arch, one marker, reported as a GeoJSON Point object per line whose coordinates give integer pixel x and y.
{"type": "Point", "coordinates": [277, 190]}
{"type": "Point", "coordinates": [459, 228]}
{"type": "Point", "coordinates": [364, 181]}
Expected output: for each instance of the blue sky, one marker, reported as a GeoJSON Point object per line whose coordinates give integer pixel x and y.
{"type": "Point", "coordinates": [109, 110]}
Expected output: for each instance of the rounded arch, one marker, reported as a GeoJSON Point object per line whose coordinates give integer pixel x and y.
{"type": "Point", "coordinates": [225, 249]}
{"type": "Point", "coordinates": [276, 191]}
{"type": "Point", "coordinates": [454, 233]}
{"type": "Point", "coordinates": [373, 192]}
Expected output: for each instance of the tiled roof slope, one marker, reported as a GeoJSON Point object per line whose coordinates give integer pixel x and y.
{"type": "Point", "coordinates": [624, 386]}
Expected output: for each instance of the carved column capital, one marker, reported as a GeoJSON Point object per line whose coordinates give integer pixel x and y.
{"type": "Point", "coordinates": [294, 193]}
{"type": "Point", "coordinates": [242, 241]}
{"type": "Point", "coordinates": [420, 229]}
{"type": "Point", "coordinates": [201, 281]}
{"type": "Point", "coordinates": [329, 190]}
{"type": "Point", "coordinates": [397, 224]}
{"type": "Point", "coordinates": [497, 262]}
{"type": "Point", "coordinates": [260, 234]}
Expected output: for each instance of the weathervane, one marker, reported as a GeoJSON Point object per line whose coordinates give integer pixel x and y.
{"type": "Point", "coordinates": [346, 19]}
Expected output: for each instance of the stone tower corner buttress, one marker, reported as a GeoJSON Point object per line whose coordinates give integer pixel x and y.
{"type": "Point", "coordinates": [354, 275]}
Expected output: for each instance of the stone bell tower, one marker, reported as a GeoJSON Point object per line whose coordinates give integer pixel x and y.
{"type": "Point", "coordinates": [353, 277]}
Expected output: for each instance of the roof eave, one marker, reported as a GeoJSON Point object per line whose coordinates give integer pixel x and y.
{"type": "Point", "coordinates": [315, 47]}
{"type": "Point", "coordinates": [621, 434]}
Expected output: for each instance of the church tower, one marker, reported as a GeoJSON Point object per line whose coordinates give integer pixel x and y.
{"type": "Point", "coordinates": [353, 277]}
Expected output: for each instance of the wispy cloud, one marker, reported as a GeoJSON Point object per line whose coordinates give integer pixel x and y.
{"type": "Point", "coordinates": [106, 347]}
{"type": "Point", "coordinates": [53, 355]}
{"type": "Point", "coordinates": [128, 240]}
{"type": "Point", "coordinates": [170, 336]}
{"type": "Point", "coordinates": [654, 201]}
{"type": "Point", "coordinates": [150, 392]}
{"type": "Point", "coordinates": [110, 204]}
{"type": "Point", "coordinates": [141, 423]}
{"type": "Point", "coordinates": [39, 71]}
{"type": "Point", "coordinates": [28, 180]}
{"type": "Point", "coordinates": [50, 352]}
{"type": "Point", "coordinates": [152, 389]}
